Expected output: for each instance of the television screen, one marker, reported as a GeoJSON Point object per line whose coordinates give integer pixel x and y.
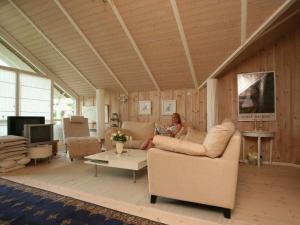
{"type": "Point", "coordinates": [15, 124]}
{"type": "Point", "coordinates": [256, 96]}
{"type": "Point", "coordinates": [39, 133]}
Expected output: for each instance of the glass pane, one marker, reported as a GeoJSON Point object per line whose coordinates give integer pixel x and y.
{"type": "Point", "coordinates": [35, 95]}
{"type": "Point", "coordinates": [63, 106]}
{"type": "Point", "coordinates": [7, 98]}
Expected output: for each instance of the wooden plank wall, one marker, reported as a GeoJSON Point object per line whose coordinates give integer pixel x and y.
{"type": "Point", "coordinates": [191, 105]}
{"type": "Point", "coordinates": [284, 58]}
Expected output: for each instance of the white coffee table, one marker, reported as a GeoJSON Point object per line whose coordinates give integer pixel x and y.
{"type": "Point", "coordinates": [131, 160]}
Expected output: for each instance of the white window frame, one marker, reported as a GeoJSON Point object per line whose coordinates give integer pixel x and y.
{"type": "Point", "coordinates": [18, 94]}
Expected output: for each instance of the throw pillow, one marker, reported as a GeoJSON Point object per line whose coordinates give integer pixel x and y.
{"type": "Point", "coordinates": [180, 133]}
{"type": "Point", "coordinates": [194, 135]}
{"type": "Point", "coordinates": [217, 139]}
{"type": "Point", "coordinates": [179, 146]}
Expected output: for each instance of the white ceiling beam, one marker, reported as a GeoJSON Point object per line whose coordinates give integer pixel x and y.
{"type": "Point", "coordinates": [256, 35]}
{"type": "Point", "coordinates": [38, 65]}
{"type": "Point", "coordinates": [132, 41]}
{"type": "Point", "coordinates": [184, 41]}
{"type": "Point", "coordinates": [52, 44]}
{"type": "Point", "coordinates": [86, 40]}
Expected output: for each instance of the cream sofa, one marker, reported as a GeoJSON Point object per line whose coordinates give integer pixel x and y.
{"type": "Point", "coordinates": [198, 179]}
{"type": "Point", "coordinates": [139, 131]}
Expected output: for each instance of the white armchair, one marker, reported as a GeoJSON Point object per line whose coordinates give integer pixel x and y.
{"type": "Point", "coordinates": [77, 137]}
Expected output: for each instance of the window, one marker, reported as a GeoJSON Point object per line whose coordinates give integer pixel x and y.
{"type": "Point", "coordinates": [35, 95]}
{"type": "Point", "coordinates": [7, 98]}
{"type": "Point", "coordinates": [63, 106]}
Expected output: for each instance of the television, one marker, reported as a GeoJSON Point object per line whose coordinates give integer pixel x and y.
{"type": "Point", "coordinates": [15, 124]}
{"type": "Point", "coordinates": [38, 134]}
{"type": "Point", "coordinates": [256, 96]}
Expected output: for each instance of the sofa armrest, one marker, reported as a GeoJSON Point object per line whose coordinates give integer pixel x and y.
{"type": "Point", "coordinates": [192, 178]}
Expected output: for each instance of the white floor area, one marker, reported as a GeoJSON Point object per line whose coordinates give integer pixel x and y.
{"type": "Point", "coordinates": [112, 188]}
{"type": "Point", "coordinates": [269, 195]}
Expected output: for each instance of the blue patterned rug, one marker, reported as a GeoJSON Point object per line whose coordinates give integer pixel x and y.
{"type": "Point", "coordinates": [25, 205]}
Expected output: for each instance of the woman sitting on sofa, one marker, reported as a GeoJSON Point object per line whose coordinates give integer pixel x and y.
{"type": "Point", "coordinates": [171, 131]}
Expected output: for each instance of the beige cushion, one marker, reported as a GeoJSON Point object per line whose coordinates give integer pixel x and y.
{"type": "Point", "coordinates": [23, 161]}
{"type": "Point", "coordinates": [229, 124]}
{"type": "Point", "coordinates": [194, 135]}
{"type": "Point", "coordinates": [217, 139]}
{"type": "Point", "coordinates": [177, 145]}
{"type": "Point", "coordinates": [77, 119]}
{"type": "Point", "coordinates": [135, 144]}
{"type": "Point", "coordinates": [7, 164]}
{"type": "Point", "coordinates": [139, 130]}
{"type": "Point", "coordinates": [181, 132]}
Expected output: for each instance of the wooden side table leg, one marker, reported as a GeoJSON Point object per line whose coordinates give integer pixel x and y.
{"type": "Point", "coordinates": [271, 150]}
{"type": "Point", "coordinates": [258, 151]}
{"type": "Point", "coordinates": [243, 143]}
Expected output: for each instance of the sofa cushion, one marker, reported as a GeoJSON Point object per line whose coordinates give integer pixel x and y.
{"type": "Point", "coordinates": [194, 135]}
{"type": "Point", "coordinates": [177, 145]}
{"type": "Point", "coordinates": [217, 139]}
{"type": "Point", "coordinates": [139, 130]}
{"type": "Point", "coordinates": [134, 144]}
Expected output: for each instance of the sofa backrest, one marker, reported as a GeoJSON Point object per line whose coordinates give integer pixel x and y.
{"type": "Point", "coordinates": [139, 130]}
{"type": "Point", "coordinates": [233, 149]}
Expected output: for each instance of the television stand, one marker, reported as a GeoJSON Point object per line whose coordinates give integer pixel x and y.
{"type": "Point", "coordinates": [40, 152]}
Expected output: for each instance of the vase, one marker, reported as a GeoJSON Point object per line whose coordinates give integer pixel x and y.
{"type": "Point", "coordinates": [119, 146]}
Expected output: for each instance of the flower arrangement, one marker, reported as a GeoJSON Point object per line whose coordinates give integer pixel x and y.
{"type": "Point", "coordinates": [119, 137]}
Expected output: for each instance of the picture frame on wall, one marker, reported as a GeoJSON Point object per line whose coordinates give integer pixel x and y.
{"type": "Point", "coordinates": [256, 96]}
{"type": "Point", "coordinates": [144, 107]}
{"type": "Point", "coordinates": [168, 107]}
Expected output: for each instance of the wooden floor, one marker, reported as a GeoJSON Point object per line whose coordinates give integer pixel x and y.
{"type": "Point", "coordinates": [269, 195]}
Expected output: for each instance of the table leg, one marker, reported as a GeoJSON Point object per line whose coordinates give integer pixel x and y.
{"type": "Point", "coordinates": [133, 173]}
{"type": "Point", "coordinates": [96, 170]}
{"type": "Point", "coordinates": [243, 143]}
{"type": "Point", "coordinates": [258, 151]}
{"type": "Point", "coordinates": [271, 150]}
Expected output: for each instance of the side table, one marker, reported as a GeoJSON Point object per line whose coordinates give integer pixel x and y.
{"type": "Point", "coordinates": [259, 134]}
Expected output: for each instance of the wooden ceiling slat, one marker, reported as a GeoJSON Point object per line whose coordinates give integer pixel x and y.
{"type": "Point", "coordinates": [117, 45]}
{"type": "Point", "coordinates": [158, 20]}
{"type": "Point", "coordinates": [215, 21]}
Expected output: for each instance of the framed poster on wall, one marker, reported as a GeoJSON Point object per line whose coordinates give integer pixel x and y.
{"type": "Point", "coordinates": [256, 96]}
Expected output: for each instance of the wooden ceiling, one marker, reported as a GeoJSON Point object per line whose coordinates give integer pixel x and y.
{"type": "Point", "coordinates": [131, 45]}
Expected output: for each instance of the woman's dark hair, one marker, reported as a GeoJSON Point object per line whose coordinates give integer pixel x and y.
{"type": "Point", "coordinates": [178, 117]}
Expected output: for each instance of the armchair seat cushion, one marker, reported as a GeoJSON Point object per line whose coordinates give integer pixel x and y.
{"type": "Point", "coordinates": [82, 146]}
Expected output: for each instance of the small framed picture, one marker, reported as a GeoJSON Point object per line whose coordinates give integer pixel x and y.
{"type": "Point", "coordinates": [144, 107]}
{"type": "Point", "coordinates": [168, 107]}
